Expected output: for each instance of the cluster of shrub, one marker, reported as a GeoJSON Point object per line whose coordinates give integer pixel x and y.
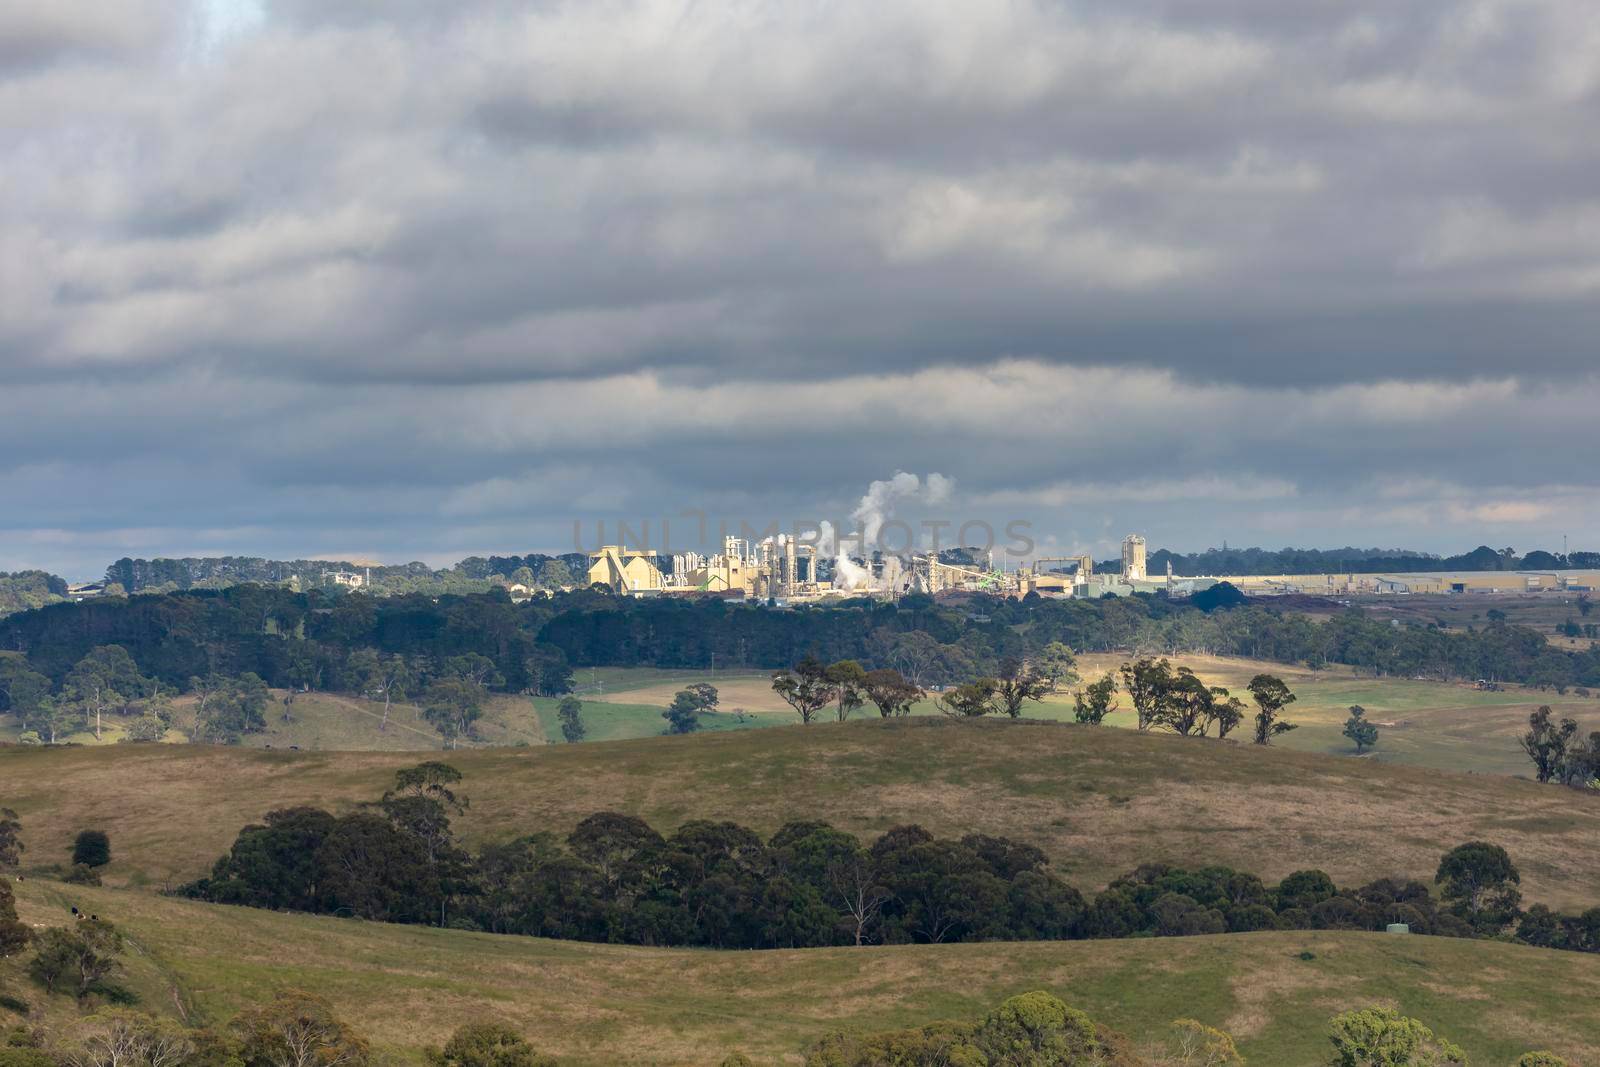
{"type": "Point", "coordinates": [1558, 753]}
{"type": "Point", "coordinates": [721, 885]}
{"type": "Point", "coordinates": [1030, 1028]}
{"type": "Point", "coordinates": [83, 961]}
{"type": "Point", "coordinates": [1038, 1030]}
{"type": "Point", "coordinates": [294, 1029]}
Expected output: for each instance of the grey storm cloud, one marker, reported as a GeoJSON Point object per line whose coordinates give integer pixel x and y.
{"type": "Point", "coordinates": [420, 279]}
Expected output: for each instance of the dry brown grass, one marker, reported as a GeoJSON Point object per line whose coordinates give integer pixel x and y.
{"type": "Point", "coordinates": [1098, 801]}
{"type": "Point", "coordinates": [752, 693]}
{"type": "Point", "coordinates": [607, 1004]}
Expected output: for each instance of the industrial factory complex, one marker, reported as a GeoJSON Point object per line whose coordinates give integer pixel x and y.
{"type": "Point", "coordinates": [784, 570]}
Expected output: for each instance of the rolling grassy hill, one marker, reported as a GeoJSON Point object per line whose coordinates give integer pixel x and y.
{"type": "Point", "coordinates": [1446, 725]}
{"type": "Point", "coordinates": [1423, 723]}
{"type": "Point", "coordinates": [1098, 801]}
{"type": "Point", "coordinates": [604, 1004]}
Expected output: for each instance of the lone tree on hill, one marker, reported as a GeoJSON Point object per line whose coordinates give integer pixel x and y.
{"type": "Point", "coordinates": [1189, 706]}
{"type": "Point", "coordinates": [805, 688]}
{"type": "Point", "coordinates": [1480, 881]}
{"type": "Point", "coordinates": [454, 706]}
{"type": "Point", "coordinates": [1546, 743]}
{"type": "Point", "coordinates": [1147, 682]}
{"type": "Point", "coordinates": [1271, 696]}
{"type": "Point", "coordinates": [1204, 1046]}
{"type": "Point", "coordinates": [891, 692]}
{"type": "Point", "coordinates": [14, 934]}
{"type": "Point", "coordinates": [486, 1045]}
{"type": "Point", "coordinates": [92, 848]}
{"type": "Point", "coordinates": [570, 712]}
{"type": "Point", "coordinates": [390, 676]}
{"type": "Point", "coordinates": [1020, 681]}
{"type": "Point", "coordinates": [706, 694]}
{"type": "Point", "coordinates": [11, 846]}
{"type": "Point", "coordinates": [1378, 1037]}
{"type": "Point", "coordinates": [970, 700]}
{"type": "Point", "coordinates": [76, 960]}
{"type": "Point", "coordinates": [1359, 730]}
{"type": "Point", "coordinates": [430, 780]}
{"type": "Point", "coordinates": [683, 717]}
{"type": "Point", "coordinates": [1058, 664]}
{"type": "Point", "coordinates": [1096, 700]}
{"type": "Point", "coordinates": [298, 1030]}
{"type": "Point", "coordinates": [849, 680]}
{"type": "Point", "coordinates": [1226, 711]}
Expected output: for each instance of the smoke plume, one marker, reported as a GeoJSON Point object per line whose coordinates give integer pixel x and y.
{"type": "Point", "coordinates": [877, 506]}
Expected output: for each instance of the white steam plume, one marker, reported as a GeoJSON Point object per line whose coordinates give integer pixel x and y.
{"type": "Point", "coordinates": [876, 508]}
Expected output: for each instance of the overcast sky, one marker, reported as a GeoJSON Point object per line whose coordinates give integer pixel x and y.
{"type": "Point", "coordinates": [404, 279]}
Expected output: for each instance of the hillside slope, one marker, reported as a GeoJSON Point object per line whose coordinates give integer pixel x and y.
{"type": "Point", "coordinates": [1428, 723]}
{"type": "Point", "coordinates": [606, 1004]}
{"type": "Point", "coordinates": [1098, 801]}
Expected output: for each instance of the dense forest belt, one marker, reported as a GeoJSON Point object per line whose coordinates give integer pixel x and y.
{"type": "Point", "coordinates": [406, 986]}
{"type": "Point", "coordinates": [315, 639]}
{"type": "Point", "coordinates": [1098, 801]}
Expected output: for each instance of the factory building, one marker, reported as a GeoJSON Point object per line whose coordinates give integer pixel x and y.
{"type": "Point", "coordinates": [731, 572]}
{"type": "Point", "coordinates": [626, 570]}
{"type": "Point", "coordinates": [773, 568]}
{"type": "Point", "coordinates": [781, 569]}
{"type": "Point", "coordinates": [1046, 580]}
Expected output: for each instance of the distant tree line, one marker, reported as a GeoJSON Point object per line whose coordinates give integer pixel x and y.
{"type": "Point", "coordinates": [720, 885]}
{"type": "Point", "coordinates": [450, 692]}
{"type": "Point", "coordinates": [140, 575]}
{"type": "Point", "coordinates": [1225, 561]}
{"type": "Point", "coordinates": [311, 640]}
{"type": "Point", "coordinates": [932, 643]}
{"type": "Point", "coordinates": [24, 590]}
{"type": "Point", "coordinates": [472, 574]}
{"type": "Point", "coordinates": [291, 640]}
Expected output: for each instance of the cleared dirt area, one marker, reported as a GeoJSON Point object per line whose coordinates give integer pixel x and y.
{"type": "Point", "coordinates": [752, 691]}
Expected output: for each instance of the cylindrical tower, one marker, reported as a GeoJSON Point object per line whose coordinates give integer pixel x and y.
{"type": "Point", "coordinates": [1133, 565]}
